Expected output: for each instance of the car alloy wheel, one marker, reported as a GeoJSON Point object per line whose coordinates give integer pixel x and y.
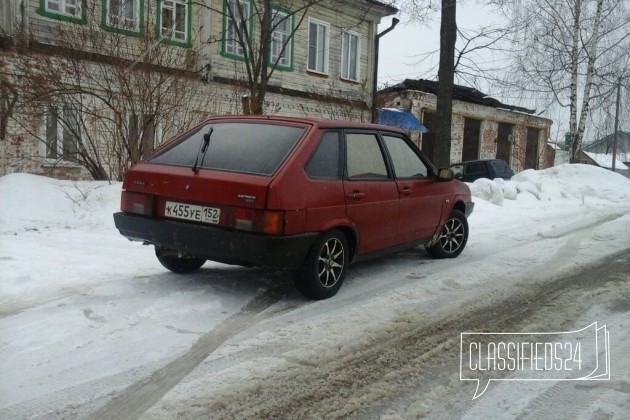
{"type": "Point", "coordinates": [324, 268]}
{"type": "Point", "coordinates": [452, 239]}
{"type": "Point", "coordinates": [452, 236]}
{"type": "Point", "coordinates": [331, 262]}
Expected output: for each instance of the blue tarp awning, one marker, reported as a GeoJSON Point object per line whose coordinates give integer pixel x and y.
{"type": "Point", "coordinates": [402, 119]}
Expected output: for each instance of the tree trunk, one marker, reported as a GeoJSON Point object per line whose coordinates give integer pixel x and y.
{"type": "Point", "coordinates": [590, 70]}
{"type": "Point", "coordinates": [446, 74]}
{"type": "Point", "coordinates": [573, 99]}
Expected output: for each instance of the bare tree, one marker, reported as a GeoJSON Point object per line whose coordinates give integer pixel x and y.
{"type": "Point", "coordinates": [261, 32]}
{"type": "Point", "coordinates": [420, 10]}
{"type": "Point", "coordinates": [106, 99]}
{"type": "Point", "coordinates": [569, 53]}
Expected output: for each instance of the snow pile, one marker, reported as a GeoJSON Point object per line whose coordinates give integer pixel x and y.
{"type": "Point", "coordinates": [557, 184]}
{"type": "Point", "coordinates": [31, 202]}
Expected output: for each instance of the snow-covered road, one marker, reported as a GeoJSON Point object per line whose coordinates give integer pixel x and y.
{"type": "Point", "coordinates": [93, 327]}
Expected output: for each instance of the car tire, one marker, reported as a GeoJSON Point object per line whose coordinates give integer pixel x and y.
{"type": "Point", "coordinates": [452, 239]}
{"type": "Point", "coordinates": [177, 264]}
{"type": "Point", "coordinates": [324, 268]}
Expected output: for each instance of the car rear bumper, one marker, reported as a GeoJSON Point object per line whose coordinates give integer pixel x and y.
{"type": "Point", "coordinates": [217, 244]}
{"type": "Point", "coordinates": [469, 209]}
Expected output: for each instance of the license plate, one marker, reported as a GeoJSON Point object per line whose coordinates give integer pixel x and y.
{"type": "Point", "coordinates": [191, 212]}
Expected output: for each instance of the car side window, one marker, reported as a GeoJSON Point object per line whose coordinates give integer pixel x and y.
{"type": "Point", "coordinates": [324, 163]}
{"type": "Point", "coordinates": [364, 158]}
{"type": "Point", "coordinates": [500, 165]}
{"type": "Point", "coordinates": [407, 164]}
{"type": "Point", "coordinates": [475, 168]}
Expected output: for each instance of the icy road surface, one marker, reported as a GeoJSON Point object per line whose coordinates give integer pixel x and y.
{"type": "Point", "coordinates": [93, 327]}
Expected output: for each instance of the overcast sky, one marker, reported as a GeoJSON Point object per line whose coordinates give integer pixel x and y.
{"type": "Point", "coordinates": [401, 48]}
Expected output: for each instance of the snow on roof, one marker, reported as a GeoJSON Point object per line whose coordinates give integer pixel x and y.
{"type": "Point", "coordinates": [605, 160]}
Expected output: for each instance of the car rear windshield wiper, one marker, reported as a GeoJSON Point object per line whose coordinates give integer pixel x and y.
{"type": "Point", "coordinates": [203, 148]}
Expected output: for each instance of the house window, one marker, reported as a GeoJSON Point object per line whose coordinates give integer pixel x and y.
{"type": "Point", "coordinates": [69, 10]}
{"type": "Point", "coordinates": [123, 14]}
{"type": "Point", "coordinates": [63, 133]}
{"type": "Point", "coordinates": [318, 34]}
{"type": "Point", "coordinates": [281, 40]}
{"type": "Point", "coordinates": [237, 15]}
{"type": "Point", "coordinates": [175, 21]}
{"type": "Point", "coordinates": [350, 56]}
{"type": "Point", "coordinates": [53, 149]}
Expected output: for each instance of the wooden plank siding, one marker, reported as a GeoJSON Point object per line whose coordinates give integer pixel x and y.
{"type": "Point", "coordinates": [294, 92]}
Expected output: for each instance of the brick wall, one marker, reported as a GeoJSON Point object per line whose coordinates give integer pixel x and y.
{"type": "Point", "coordinates": [420, 102]}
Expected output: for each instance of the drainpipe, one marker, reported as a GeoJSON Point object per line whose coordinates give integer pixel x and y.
{"type": "Point", "coordinates": [375, 72]}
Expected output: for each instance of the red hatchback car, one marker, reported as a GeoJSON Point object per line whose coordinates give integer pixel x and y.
{"type": "Point", "coordinates": [307, 195]}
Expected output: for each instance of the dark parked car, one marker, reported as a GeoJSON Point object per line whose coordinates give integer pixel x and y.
{"type": "Point", "coordinates": [485, 168]}
{"type": "Point", "coordinates": [301, 194]}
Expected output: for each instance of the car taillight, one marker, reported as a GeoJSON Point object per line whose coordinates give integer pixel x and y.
{"type": "Point", "coordinates": [269, 222]}
{"type": "Point", "coordinates": [137, 203]}
{"type": "Point", "coordinates": [244, 219]}
{"type": "Point", "coordinates": [272, 222]}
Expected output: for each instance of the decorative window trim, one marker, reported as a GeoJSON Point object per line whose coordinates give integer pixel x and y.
{"type": "Point", "coordinates": [120, 30]}
{"type": "Point", "coordinates": [158, 24]}
{"type": "Point", "coordinates": [325, 71]}
{"type": "Point", "coordinates": [289, 48]}
{"type": "Point", "coordinates": [344, 49]}
{"type": "Point", "coordinates": [226, 20]}
{"type": "Point", "coordinates": [80, 17]}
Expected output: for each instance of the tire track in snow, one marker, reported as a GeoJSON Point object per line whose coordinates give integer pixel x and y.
{"type": "Point", "coordinates": [9, 308]}
{"type": "Point", "coordinates": [362, 379]}
{"type": "Point", "coordinates": [134, 400]}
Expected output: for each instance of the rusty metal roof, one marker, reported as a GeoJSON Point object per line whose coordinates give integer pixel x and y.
{"type": "Point", "coordinates": [460, 93]}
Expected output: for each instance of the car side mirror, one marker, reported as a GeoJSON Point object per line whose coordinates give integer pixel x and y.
{"type": "Point", "coordinates": [445, 174]}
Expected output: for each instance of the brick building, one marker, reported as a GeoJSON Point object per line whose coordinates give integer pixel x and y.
{"type": "Point", "coordinates": [482, 127]}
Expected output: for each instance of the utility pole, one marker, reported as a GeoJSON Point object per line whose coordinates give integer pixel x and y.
{"type": "Point", "coordinates": [616, 124]}
{"type": "Point", "coordinates": [377, 39]}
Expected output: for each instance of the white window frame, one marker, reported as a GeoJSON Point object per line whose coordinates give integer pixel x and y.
{"type": "Point", "coordinates": [231, 44]}
{"type": "Point", "coordinates": [313, 67]}
{"type": "Point", "coordinates": [63, 6]}
{"type": "Point", "coordinates": [346, 73]}
{"type": "Point", "coordinates": [282, 39]}
{"type": "Point", "coordinates": [171, 33]}
{"type": "Point", "coordinates": [132, 24]}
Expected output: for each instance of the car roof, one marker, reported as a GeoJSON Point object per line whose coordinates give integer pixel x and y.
{"type": "Point", "coordinates": [478, 160]}
{"type": "Point", "coordinates": [321, 123]}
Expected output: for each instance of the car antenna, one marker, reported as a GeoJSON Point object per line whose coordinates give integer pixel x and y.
{"type": "Point", "coordinates": [203, 148]}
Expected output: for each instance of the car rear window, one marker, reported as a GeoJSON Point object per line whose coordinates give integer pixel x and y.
{"type": "Point", "coordinates": [256, 148]}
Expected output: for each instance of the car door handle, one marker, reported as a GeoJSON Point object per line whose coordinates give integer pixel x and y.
{"type": "Point", "coordinates": [355, 196]}
{"type": "Point", "coordinates": [405, 191]}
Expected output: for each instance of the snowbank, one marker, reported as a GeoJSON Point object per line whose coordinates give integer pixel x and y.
{"type": "Point", "coordinates": [31, 202]}
{"type": "Point", "coordinates": [564, 183]}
